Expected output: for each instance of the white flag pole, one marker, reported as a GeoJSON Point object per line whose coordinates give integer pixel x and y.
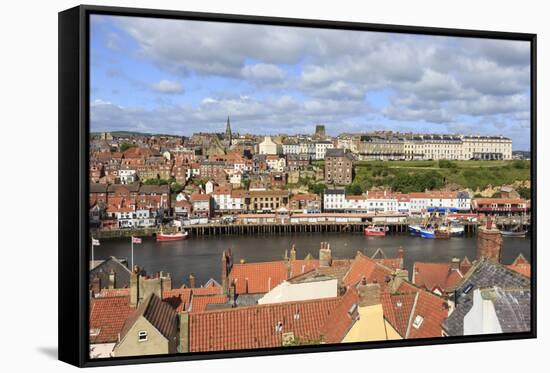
{"type": "Point", "coordinates": [92, 266]}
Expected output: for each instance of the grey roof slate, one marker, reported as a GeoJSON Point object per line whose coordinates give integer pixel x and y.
{"type": "Point", "coordinates": [483, 274]}
{"type": "Point", "coordinates": [512, 306]}
{"type": "Point", "coordinates": [102, 270]}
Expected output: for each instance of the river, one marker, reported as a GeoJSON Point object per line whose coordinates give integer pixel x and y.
{"type": "Point", "coordinates": [202, 255]}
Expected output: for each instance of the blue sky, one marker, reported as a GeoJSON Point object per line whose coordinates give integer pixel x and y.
{"type": "Point", "coordinates": [180, 77]}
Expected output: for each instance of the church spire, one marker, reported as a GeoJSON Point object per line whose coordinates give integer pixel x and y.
{"type": "Point", "coordinates": [228, 134]}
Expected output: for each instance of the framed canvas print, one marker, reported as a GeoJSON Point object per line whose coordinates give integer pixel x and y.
{"type": "Point", "coordinates": [234, 186]}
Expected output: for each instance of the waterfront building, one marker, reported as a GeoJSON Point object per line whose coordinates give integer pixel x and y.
{"type": "Point", "coordinates": [307, 202]}
{"type": "Point", "coordinates": [501, 206]}
{"type": "Point", "coordinates": [334, 200]}
{"type": "Point", "coordinates": [338, 167]}
{"type": "Point", "coordinates": [202, 205]}
{"type": "Point", "coordinates": [266, 200]}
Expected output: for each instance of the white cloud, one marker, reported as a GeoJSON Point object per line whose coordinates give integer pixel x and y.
{"type": "Point", "coordinates": [167, 86]}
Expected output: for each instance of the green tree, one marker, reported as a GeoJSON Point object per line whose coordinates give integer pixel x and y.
{"type": "Point", "coordinates": [126, 145]}
{"type": "Point", "coordinates": [524, 192]}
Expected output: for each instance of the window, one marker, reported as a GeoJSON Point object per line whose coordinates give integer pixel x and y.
{"type": "Point", "coordinates": [418, 321]}
{"type": "Point", "coordinates": [142, 336]}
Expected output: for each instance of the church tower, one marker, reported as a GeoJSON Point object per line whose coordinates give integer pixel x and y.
{"type": "Point", "coordinates": [228, 134]}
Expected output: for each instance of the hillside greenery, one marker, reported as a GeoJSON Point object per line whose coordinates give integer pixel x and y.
{"type": "Point", "coordinates": [410, 176]}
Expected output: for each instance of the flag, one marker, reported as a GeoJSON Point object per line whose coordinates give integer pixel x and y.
{"type": "Point", "coordinates": [95, 242]}
{"type": "Point", "coordinates": [136, 239]}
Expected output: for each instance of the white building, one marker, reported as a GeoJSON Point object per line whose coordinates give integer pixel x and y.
{"type": "Point", "coordinates": [291, 148]}
{"type": "Point", "coordinates": [268, 146]}
{"type": "Point", "coordinates": [321, 148]}
{"type": "Point", "coordinates": [292, 292]}
{"type": "Point", "coordinates": [486, 147]}
{"type": "Point", "coordinates": [275, 163]}
{"type": "Point", "coordinates": [334, 200]}
{"type": "Point", "coordinates": [127, 175]}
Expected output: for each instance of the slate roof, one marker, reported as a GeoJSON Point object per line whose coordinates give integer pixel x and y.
{"type": "Point", "coordinates": [512, 306]}
{"type": "Point", "coordinates": [122, 273]}
{"type": "Point", "coordinates": [160, 314]}
{"type": "Point", "coordinates": [484, 273]}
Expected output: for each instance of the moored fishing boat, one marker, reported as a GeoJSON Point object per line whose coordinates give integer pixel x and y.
{"type": "Point", "coordinates": [375, 231]}
{"type": "Point", "coordinates": [172, 236]}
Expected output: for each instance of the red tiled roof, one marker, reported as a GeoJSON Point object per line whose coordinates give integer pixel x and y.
{"type": "Point", "coordinates": [432, 275]}
{"type": "Point", "coordinates": [200, 197]}
{"type": "Point", "coordinates": [255, 278]}
{"type": "Point", "coordinates": [179, 299]}
{"type": "Point", "coordinates": [256, 326]}
{"type": "Point", "coordinates": [431, 308]}
{"type": "Point", "coordinates": [397, 309]}
{"type": "Point", "coordinates": [340, 321]}
{"type": "Point", "coordinates": [499, 201]}
{"type": "Point", "coordinates": [522, 268]}
{"type": "Point", "coordinates": [107, 315]}
{"type": "Point", "coordinates": [299, 266]}
{"type": "Point", "coordinates": [392, 263]}
{"type": "Point", "coordinates": [210, 290]}
{"type": "Point", "coordinates": [363, 266]}
{"type": "Point", "coordinates": [200, 303]}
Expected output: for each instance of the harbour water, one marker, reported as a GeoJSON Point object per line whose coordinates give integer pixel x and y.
{"type": "Point", "coordinates": [201, 255]}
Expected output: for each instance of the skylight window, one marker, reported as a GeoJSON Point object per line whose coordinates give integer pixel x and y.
{"type": "Point", "coordinates": [418, 321]}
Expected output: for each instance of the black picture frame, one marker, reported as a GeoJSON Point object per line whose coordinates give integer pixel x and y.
{"type": "Point", "coordinates": [73, 180]}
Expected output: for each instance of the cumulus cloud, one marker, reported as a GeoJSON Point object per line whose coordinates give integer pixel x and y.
{"type": "Point", "coordinates": [441, 81]}
{"type": "Point", "coordinates": [167, 86]}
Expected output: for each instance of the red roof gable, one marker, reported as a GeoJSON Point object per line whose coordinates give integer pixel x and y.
{"type": "Point", "coordinates": [260, 326]}
{"type": "Point", "coordinates": [107, 317]}
{"type": "Point", "coordinates": [200, 303]}
{"type": "Point", "coordinates": [255, 278]}
{"type": "Point", "coordinates": [435, 275]}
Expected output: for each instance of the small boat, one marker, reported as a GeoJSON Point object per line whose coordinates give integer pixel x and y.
{"type": "Point", "coordinates": [513, 233]}
{"type": "Point", "coordinates": [172, 236]}
{"type": "Point", "coordinates": [456, 230]}
{"type": "Point", "coordinates": [375, 231]}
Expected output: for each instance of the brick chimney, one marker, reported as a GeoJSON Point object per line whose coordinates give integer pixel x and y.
{"type": "Point", "coordinates": [166, 281]}
{"type": "Point", "coordinates": [134, 286]}
{"type": "Point", "coordinates": [96, 285]}
{"type": "Point", "coordinates": [325, 255]}
{"type": "Point", "coordinates": [369, 294]}
{"type": "Point", "coordinates": [489, 242]}
{"type": "Point", "coordinates": [227, 264]}
{"type": "Point", "coordinates": [455, 263]}
{"type": "Point", "coordinates": [293, 253]}
{"type": "Point", "coordinates": [192, 283]}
